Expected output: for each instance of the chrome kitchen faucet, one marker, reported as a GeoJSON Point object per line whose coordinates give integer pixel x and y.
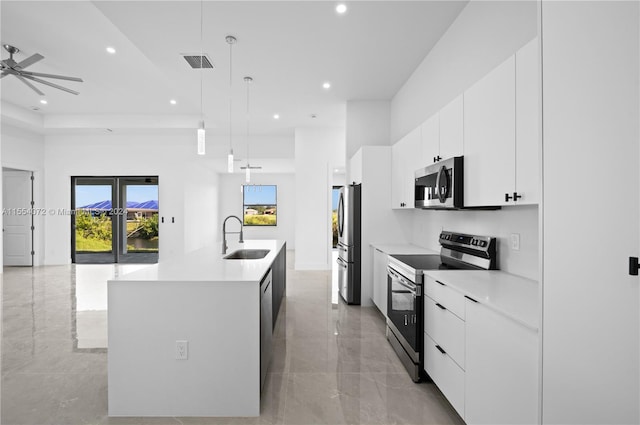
{"type": "Point", "coordinates": [224, 232]}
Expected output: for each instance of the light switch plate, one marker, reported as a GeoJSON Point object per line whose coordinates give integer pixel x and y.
{"type": "Point", "coordinates": [182, 350]}
{"type": "Point", "coordinates": [515, 241]}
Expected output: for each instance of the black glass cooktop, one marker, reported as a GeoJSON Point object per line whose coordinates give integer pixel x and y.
{"type": "Point", "coordinates": [430, 262]}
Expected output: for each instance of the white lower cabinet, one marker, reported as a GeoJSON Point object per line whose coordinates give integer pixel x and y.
{"type": "Point", "coordinates": [501, 375]}
{"type": "Point", "coordinates": [444, 335]}
{"type": "Point", "coordinates": [380, 260]}
{"type": "Point", "coordinates": [445, 328]}
{"type": "Point", "coordinates": [446, 374]}
{"type": "Point", "coordinates": [485, 363]}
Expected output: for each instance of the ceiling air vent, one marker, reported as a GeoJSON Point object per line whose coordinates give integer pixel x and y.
{"type": "Point", "coordinates": [196, 60]}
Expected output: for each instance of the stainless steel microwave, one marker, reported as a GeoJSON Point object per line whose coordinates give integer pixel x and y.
{"type": "Point", "coordinates": [439, 186]}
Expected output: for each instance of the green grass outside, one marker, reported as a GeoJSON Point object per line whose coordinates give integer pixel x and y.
{"type": "Point", "coordinates": [259, 220]}
{"type": "Point", "coordinates": [84, 244]}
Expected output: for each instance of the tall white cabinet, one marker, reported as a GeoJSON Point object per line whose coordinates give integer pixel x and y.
{"type": "Point", "coordinates": [371, 166]}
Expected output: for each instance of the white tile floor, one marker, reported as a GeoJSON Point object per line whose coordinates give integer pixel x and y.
{"type": "Point", "coordinates": [332, 363]}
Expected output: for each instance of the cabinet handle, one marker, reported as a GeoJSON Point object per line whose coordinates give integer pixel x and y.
{"type": "Point", "coordinates": [441, 306]}
{"type": "Point", "coordinates": [507, 197]}
{"type": "Point", "coordinates": [633, 266]}
{"type": "Point", "coordinates": [516, 196]}
{"type": "Point", "coordinates": [438, 158]}
{"type": "Point", "coordinates": [440, 349]}
{"type": "Point", "coordinates": [405, 320]}
{"type": "Point", "coordinates": [437, 281]}
{"type": "Point", "coordinates": [471, 299]}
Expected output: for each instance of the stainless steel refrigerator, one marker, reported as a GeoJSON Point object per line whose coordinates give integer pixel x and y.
{"type": "Point", "coordinates": [349, 236]}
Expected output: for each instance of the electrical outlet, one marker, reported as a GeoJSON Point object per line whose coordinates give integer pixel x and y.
{"type": "Point", "coordinates": [515, 241]}
{"type": "Point", "coordinates": [182, 350]}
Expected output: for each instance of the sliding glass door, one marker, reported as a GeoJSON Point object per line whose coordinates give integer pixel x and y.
{"type": "Point", "coordinates": [115, 220]}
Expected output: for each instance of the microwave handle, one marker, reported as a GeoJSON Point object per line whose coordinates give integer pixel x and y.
{"type": "Point", "coordinates": [442, 173]}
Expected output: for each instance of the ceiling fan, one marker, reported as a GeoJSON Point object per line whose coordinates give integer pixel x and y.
{"type": "Point", "coordinates": [11, 67]}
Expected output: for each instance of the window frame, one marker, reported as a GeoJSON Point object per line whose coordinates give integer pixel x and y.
{"type": "Point", "coordinates": [246, 205]}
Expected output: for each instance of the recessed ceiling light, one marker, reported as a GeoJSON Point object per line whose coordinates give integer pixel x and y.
{"type": "Point", "coordinates": [173, 101]}
{"type": "Point", "coordinates": [276, 116]}
{"type": "Point", "coordinates": [341, 8]}
{"type": "Point", "coordinates": [111, 50]}
{"type": "Point", "coordinates": [326, 85]}
{"type": "Point", "coordinates": [43, 101]}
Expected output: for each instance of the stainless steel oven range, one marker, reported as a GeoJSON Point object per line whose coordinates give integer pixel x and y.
{"type": "Point", "coordinates": [405, 289]}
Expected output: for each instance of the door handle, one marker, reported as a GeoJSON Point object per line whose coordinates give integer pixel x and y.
{"type": "Point", "coordinates": [441, 306]}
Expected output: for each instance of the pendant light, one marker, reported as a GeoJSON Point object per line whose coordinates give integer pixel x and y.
{"type": "Point", "coordinates": [248, 80]}
{"type": "Point", "coordinates": [231, 40]}
{"type": "Point", "coordinates": [201, 132]}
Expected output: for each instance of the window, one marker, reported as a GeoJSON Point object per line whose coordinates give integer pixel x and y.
{"type": "Point", "coordinates": [260, 205]}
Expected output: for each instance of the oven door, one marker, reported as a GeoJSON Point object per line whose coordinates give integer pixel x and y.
{"type": "Point", "coordinates": [404, 309]}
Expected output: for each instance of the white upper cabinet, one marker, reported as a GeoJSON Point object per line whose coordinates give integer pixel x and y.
{"type": "Point", "coordinates": [489, 137]}
{"type": "Point", "coordinates": [452, 129]}
{"type": "Point", "coordinates": [430, 140]}
{"type": "Point", "coordinates": [443, 133]}
{"type": "Point", "coordinates": [406, 158]}
{"type": "Point", "coordinates": [527, 124]}
{"type": "Point", "coordinates": [501, 133]}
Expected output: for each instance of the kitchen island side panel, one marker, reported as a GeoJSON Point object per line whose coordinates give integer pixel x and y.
{"type": "Point", "coordinates": [221, 323]}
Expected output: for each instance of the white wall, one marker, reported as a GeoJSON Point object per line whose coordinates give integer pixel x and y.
{"type": "Point", "coordinates": [24, 150]}
{"type": "Point", "coordinates": [523, 220]}
{"type": "Point", "coordinates": [483, 36]}
{"type": "Point", "coordinates": [591, 111]}
{"type": "Point", "coordinates": [231, 204]}
{"type": "Point", "coordinates": [367, 124]}
{"type": "Point", "coordinates": [187, 185]}
{"type": "Point", "coordinates": [317, 152]}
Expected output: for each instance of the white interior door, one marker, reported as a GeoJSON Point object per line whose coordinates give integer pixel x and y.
{"type": "Point", "coordinates": [16, 202]}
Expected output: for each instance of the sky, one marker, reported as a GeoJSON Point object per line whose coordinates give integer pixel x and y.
{"type": "Point", "coordinates": [260, 195]}
{"type": "Point", "coordinates": [335, 196]}
{"type": "Point", "coordinates": [90, 194]}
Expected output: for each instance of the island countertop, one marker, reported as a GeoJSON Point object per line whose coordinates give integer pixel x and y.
{"type": "Point", "coordinates": [208, 265]}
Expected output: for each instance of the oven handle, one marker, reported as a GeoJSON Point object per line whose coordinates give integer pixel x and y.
{"type": "Point", "coordinates": [413, 288]}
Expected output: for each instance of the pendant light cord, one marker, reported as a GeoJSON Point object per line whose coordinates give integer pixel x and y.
{"type": "Point", "coordinates": [249, 80]}
{"type": "Point", "coordinates": [201, 25]}
{"type": "Point", "coordinates": [230, 94]}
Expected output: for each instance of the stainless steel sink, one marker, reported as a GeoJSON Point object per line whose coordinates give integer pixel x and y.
{"type": "Point", "coordinates": [247, 254]}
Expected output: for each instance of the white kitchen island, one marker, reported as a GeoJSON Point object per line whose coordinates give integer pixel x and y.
{"type": "Point", "coordinates": [210, 302]}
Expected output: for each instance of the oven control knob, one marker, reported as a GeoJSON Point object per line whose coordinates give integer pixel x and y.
{"type": "Point", "coordinates": [483, 243]}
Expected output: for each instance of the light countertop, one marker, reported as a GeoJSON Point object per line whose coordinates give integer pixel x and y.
{"type": "Point", "coordinates": [207, 265]}
{"type": "Point", "coordinates": [402, 249]}
{"type": "Point", "coordinates": [513, 296]}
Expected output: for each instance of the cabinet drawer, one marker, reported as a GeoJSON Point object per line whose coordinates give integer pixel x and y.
{"type": "Point", "coordinates": [440, 293]}
{"type": "Point", "coordinates": [446, 374]}
{"type": "Point", "coordinates": [445, 328]}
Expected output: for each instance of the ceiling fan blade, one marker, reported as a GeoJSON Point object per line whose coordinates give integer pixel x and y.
{"type": "Point", "coordinates": [34, 88]}
{"type": "Point", "coordinates": [60, 77]}
{"type": "Point", "coordinates": [29, 61]}
{"type": "Point", "coordinates": [47, 83]}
